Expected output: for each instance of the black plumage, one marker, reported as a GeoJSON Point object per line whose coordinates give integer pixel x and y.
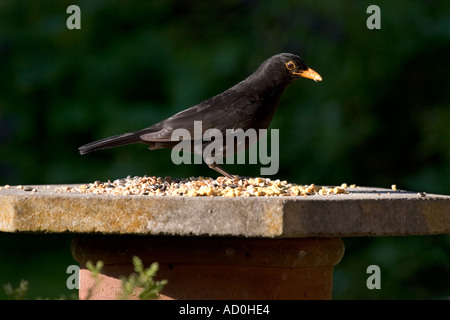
{"type": "Point", "coordinates": [249, 104]}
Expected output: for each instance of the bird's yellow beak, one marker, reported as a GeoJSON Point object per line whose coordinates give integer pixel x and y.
{"type": "Point", "coordinates": [310, 74]}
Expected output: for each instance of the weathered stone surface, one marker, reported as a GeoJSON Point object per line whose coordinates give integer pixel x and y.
{"type": "Point", "coordinates": [365, 211]}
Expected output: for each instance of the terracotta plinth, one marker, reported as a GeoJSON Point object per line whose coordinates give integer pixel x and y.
{"type": "Point", "coordinates": [213, 267]}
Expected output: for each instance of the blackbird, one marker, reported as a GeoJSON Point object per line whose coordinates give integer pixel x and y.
{"type": "Point", "coordinates": [249, 104]}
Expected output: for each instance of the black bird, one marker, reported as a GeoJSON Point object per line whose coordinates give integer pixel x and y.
{"type": "Point", "coordinates": [249, 104]}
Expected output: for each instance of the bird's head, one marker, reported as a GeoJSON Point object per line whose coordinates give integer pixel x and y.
{"type": "Point", "coordinates": [289, 66]}
{"type": "Point", "coordinates": [297, 68]}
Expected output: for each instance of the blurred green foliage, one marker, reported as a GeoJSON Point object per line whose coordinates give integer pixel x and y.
{"type": "Point", "coordinates": [380, 117]}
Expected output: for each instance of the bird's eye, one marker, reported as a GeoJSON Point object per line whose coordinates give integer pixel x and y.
{"type": "Point", "coordinates": [290, 65]}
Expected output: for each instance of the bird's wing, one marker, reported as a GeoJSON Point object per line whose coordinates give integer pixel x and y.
{"type": "Point", "coordinates": [222, 112]}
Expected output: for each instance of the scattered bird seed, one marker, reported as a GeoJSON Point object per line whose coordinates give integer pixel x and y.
{"type": "Point", "coordinates": [202, 186]}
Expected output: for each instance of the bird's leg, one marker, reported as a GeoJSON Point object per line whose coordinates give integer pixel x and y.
{"type": "Point", "coordinates": [216, 167]}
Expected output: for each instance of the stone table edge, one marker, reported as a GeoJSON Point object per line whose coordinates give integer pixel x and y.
{"type": "Point", "coordinates": [284, 217]}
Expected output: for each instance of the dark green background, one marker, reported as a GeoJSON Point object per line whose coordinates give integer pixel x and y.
{"type": "Point", "coordinates": [380, 117]}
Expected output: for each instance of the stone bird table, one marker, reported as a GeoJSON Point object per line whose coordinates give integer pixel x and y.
{"type": "Point", "coordinates": [217, 247]}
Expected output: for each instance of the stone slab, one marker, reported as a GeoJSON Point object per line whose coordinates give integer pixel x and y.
{"type": "Point", "coordinates": [362, 212]}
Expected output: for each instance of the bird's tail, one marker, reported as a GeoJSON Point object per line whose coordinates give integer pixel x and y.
{"type": "Point", "coordinates": [114, 141]}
